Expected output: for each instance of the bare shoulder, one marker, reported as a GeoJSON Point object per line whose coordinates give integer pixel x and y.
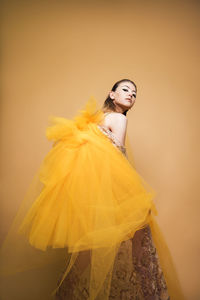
{"type": "Point", "coordinates": [114, 117]}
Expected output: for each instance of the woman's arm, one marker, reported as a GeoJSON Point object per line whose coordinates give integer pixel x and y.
{"type": "Point", "coordinates": [117, 123]}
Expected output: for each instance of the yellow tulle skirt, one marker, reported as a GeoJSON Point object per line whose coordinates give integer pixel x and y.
{"type": "Point", "coordinates": [91, 199]}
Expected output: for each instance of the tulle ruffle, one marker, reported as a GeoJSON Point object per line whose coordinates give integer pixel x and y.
{"type": "Point", "coordinates": [92, 198]}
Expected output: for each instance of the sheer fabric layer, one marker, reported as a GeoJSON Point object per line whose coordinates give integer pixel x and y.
{"type": "Point", "coordinates": [91, 199]}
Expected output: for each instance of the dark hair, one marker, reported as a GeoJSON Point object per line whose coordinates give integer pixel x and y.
{"type": "Point", "coordinates": [108, 103]}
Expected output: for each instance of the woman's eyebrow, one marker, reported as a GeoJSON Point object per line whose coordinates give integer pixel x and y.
{"type": "Point", "coordinates": [129, 88]}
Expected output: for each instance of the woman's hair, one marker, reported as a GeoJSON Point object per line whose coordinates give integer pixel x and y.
{"type": "Point", "coordinates": [108, 104]}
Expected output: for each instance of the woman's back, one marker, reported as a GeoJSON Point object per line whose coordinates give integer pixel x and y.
{"type": "Point", "coordinates": [117, 124]}
{"type": "Point", "coordinates": [114, 126]}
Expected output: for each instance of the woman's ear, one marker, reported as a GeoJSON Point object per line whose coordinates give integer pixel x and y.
{"type": "Point", "coordinates": [112, 95]}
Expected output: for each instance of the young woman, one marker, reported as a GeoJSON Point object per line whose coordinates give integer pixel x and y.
{"type": "Point", "coordinates": [96, 206]}
{"type": "Point", "coordinates": [136, 273]}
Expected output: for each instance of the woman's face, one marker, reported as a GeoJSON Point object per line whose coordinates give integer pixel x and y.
{"type": "Point", "coordinates": [124, 96]}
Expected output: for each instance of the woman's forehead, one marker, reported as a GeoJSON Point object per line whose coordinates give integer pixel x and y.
{"type": "Point", "coordinates": [128, 85]}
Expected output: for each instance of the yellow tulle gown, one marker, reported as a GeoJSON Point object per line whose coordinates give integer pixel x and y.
{"type": "Point", "coordinates": [91, 199]}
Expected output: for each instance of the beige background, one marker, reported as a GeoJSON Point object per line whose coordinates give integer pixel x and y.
{"type": "Point", "coordinates": [56, 54]}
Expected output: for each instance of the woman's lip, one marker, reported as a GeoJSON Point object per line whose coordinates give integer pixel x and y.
{"type": "Point", "coordinates": [128, 99]}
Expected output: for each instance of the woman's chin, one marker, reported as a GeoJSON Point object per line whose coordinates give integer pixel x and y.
{"type": "Point", "coordinates": [128, 106]}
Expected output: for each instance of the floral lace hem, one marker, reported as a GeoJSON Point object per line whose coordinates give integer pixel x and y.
{"type": "Point", "coordinates": [137, 274]}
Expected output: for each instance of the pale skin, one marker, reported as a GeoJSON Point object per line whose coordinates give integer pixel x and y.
{"type": "Point", "coordinates": [123, 98]}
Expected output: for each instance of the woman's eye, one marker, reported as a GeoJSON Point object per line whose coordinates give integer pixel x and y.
{"type": "Point", "coordinates": [134, 95]}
